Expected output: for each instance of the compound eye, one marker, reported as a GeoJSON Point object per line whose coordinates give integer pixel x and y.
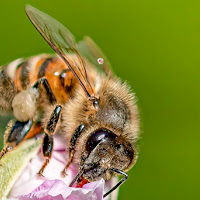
{"type": "Point", "coordinates": [98, 136]}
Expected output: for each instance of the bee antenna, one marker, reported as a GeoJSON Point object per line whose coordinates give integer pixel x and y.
{"type": "Point", "coordinates": [120, 182]}
{"type": "Point", "coordinates": [77, 177]}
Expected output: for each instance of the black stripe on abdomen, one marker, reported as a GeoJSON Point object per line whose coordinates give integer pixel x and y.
{"type": "Point", "coordinates": [43, 67]}
{"type": "Point", "coordinates": [24, 75]}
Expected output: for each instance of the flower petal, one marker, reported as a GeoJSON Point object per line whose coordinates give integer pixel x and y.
{"type": "Point", "coordinates": [53, 186]}
{"type": "Point", "coordinates": [13, 163]}
{"type": "Point", "coordinates": [57, 189]}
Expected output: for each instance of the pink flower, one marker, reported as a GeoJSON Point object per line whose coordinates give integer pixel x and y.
{"type": "Point", "coordinates": [57, 189]}
{"type": "Point", "coordinates": [53, 186]}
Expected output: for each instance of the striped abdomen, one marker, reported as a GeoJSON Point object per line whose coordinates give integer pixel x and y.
{"type": "Point", "coordinates": [20, 74]}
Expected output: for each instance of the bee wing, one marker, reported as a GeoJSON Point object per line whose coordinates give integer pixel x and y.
{"type": "Point", "coordinates": [62, 42]}
{"type": "Point", "coordinates": [94, 54]}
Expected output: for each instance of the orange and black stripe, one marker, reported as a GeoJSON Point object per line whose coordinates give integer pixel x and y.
{"type": "Point", "coordinates": [59, 77]}
{"type": "Point", "coordinates": [24, 75]}
{"type": "Point", "coordinates": [17, 80]}
{"type": "Point", "coordinates": [44, 66]}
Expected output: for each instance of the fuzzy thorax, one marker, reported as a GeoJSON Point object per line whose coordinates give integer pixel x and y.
{"type": "Point", "coordinates": [117, 112]}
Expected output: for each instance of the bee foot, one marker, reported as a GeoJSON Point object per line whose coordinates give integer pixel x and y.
{"type": "Point", "coordinates": [64, 174]}
{"type": "Point", "coordinates": [40, 174]}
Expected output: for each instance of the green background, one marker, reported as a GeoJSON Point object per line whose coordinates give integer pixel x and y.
{"type": "Point", "coordinates": [155, 45]}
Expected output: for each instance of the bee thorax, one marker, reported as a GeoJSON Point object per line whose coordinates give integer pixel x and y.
{"type": "Point", "coordinates": [24, 104]}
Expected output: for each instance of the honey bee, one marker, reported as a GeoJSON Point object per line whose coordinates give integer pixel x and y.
{"type": "Point", "coordinates": [76, 94]}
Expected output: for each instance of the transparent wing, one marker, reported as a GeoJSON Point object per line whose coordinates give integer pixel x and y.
{"type": "Point", "coordinates": [93, 54]}
{"type": "Point", "coordinates": [62, 42]}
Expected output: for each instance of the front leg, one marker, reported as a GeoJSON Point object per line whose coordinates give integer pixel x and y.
{"type": "Point", "coordinates": [48, 138]}
{"type": "Point", "coordinates": [73, 141]}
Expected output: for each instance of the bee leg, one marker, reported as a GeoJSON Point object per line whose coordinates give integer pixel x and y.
{"type": "Point", "coordinates": [15, 134]}
{"type": "Point", "coordinates": [51, 124]}
{"type": "Point", "coordinates": [75, 136]}
{"type": "Point", "coordinates": [47, 152]}
{"type": "Point", "coordinates": [71, 156]}
{"type": "Point", "coordinates": [48, 138]}
{"type": "Point", "coordinates": [50, 94]}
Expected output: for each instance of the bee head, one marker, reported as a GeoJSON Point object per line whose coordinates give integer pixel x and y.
{"type": "Point", "coordinates": [105, 150]}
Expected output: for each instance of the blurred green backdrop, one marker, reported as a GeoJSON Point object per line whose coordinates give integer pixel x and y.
{"type": "Point", "coordinates": [155, 45]}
